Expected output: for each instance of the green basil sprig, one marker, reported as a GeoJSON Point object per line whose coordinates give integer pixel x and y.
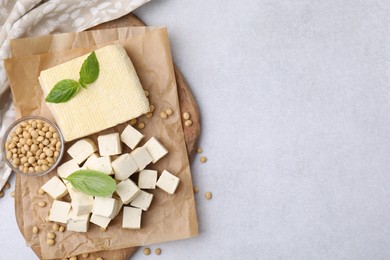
{"type": "Point", "coordinates": [66, 89]}
{"type": "Point", "coordinates": [92, 183]}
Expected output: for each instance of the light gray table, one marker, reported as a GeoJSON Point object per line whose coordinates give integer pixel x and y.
{"type": "Point", "coordinates": [295, 102]}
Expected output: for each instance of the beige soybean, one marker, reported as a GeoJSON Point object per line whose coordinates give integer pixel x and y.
{"type": "Point", "coordinates": [203, 159]}
{"type": "Point", "coordinates": [186, 115]}
{"type": "Point", "coordinates": [157, 251]}
{"type": "Point", "coordinates": [141, 125]}
{"type": "Point", "coordinates": [188, 123]}
{"type": "Point", "coordinates": [42, 204]}
{"type": "Point", "coordinates": [149, 115]}
{"type": "Point", "coordinates": [196, 189]}
{"type": "Point", "coordinates": [163, 115]}
{"type": "Point", "coordinates": [56, 227]}
{"type": "Point", "coordinates": [146, 251]}
{"type": "Point", "coordinates": [208, 195]}
{"type": "Point", "coordinates": [61, 229]}
{"type": "Point", "coordinates": [50, 242]}
{"type": "Point", "coordinates": [51, 235]}
{"type": "Point", "coordinates": [85, 255]}
{"type": "Point", "coordinates": [133, 122]}
{"type": "Point", "coordinates": [35, 230]}
{"type": "Point", "coordinates": [49, 153]}
{"type": "Point", "coordinates": [73, 258]}
{"type": "Point", "coordinates": [169, 111]}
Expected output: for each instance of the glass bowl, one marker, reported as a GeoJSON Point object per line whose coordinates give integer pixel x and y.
{"type": "Point", "coordinates": [7, 137]}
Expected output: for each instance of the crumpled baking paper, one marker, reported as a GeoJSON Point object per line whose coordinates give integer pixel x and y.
{"type": "Point", "coordinates": [170, 217]}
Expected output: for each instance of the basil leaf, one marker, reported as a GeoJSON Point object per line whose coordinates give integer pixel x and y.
{"type": "Point", "coordinates": [63, 91]}
{"type": "Point", "coordinates": [83, 84]}
{"type": "Point", "coordinates": [92, 183]}
{"type": "Point", "coordinates": [89, 71]}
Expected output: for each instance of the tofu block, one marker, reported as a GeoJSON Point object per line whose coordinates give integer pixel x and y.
{"type": "Point", "coordinates": [82, 204]}
{"type": "Point", "coordinates": [131, 218]}
{"type": "Point", "coordinates": [168, 182]}
{"type": "Point", "coordinates": [105, 207]}
{"type": "Point", "coordinates": [131, 136]}
{"type": "Point", "coordinates": [67, 169]}
{"type": "Point", "coordinates": [141, 157]}
{"type": "Point", "coordinates": [115, 97]}
{"type": "Point", "coordinates": [89, 161]}
{"type": "Point", "coordinates": [147, 179]}
{"type": "Point", "coordinates": [155, 149]}
{"type": "Point", "coordinates": [82, 149]}
{"type": "Point", "coordinates": [142, 201]}
{"type": "Point", "coordinates": [109, 144]}
{"type": "Point", "coordinates": [124, 166]}
{"type": "Point", "coordinates": [59, 211]}
{"type": "Point", "coordinates": [101, 164]}
{"type": "Point", "coordinates": [100, 220]}
{"type": "Point", "coordinates": [77, 223]}
{"type": "Point", "coordinates": [127, 191]}
{"type": "Point", "coordinates": [55, 188]}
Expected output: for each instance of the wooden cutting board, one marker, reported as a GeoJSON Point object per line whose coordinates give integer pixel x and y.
{"type": "Point", "coordinates": [191, 135]}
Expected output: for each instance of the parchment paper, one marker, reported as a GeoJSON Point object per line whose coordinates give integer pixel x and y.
{"type": "Point", "coordinates": [170, 217]}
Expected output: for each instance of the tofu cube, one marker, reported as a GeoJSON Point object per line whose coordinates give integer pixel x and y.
{"type": "Point", "coordinates": [82, 149]}
{"type": "Point", "coordinates": [89, 160]}
{"type": "Point", "coordinates": [119, 205]}
{"type": "Point", "coordinates": [67, 169]}
{"type": "Point", "coordinates": [101, 164]}
{"type": "Point", "coordinates": [168, 182]}
{"type": "Point", "coordinates": [131, 136]}
{"type": "Point", "coordinates": [127, 191]}
{"type": "Point", "coordinates": [131, 218]}
{"type": "Point", "coordinates": [141, 157]}
{"type": "Point", "coordinates": [77, 223]}
{"type": "Point", "coordinates": [55, 188]}
{"type": "Point", "coordinates": [124, 166]}
{"type": "Point", "coordinates": [81, 203]}
{"type": "Point", "coordinates": [109, 144]}
{"type": "Point", "coordinates": [155, 149]}
{"type": "Point", "coordinates": [59, 211]}
{"type": "Point", "coordinates": [147, 179]}
{"type": "Point", "coordinates": [100, 220]}
{"type": "Point", "coordinates": [142, 201]}
{"type": "Point", "coordinates": [105, 207]}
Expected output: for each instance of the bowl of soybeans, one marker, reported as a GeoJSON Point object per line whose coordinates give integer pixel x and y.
{"type": "Point", "coordinates": [33, 146]}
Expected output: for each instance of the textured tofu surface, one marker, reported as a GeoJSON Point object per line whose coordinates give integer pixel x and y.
{"type": "Point", "coordinates": [59, 211]}
{"type": "Point", "coordinates": [127, 190]}
{"type": "Point", "coordinates": [117, 90]}
{"type": "Point", "coordinates": [55, 188]}
{"type": "Point", "coordinates": [131, 218]}
{"type": "Point", "coordinates": [124, 166]}
{"type": "Point", "coordinates": [100, 220]}
{"type": "Point", "coordinates": [168, 182]}
{"type": "Point", "coordinates": [155, 149]}
{"type": "Point", "coordinates": [142, 201]}
{"type": "Point", "coordinates": [147, 179]}
{"type": "Point", "coordinates": [131, 136]}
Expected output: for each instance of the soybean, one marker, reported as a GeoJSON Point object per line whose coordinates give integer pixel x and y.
{"type": "Point", "coordinates": [208, 195]}
{"type": "Point", "coordinates": [146, 251]}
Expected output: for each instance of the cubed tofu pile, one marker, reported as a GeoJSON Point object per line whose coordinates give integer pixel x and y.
{"type": "Point", "coordinates": [84, 209]}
